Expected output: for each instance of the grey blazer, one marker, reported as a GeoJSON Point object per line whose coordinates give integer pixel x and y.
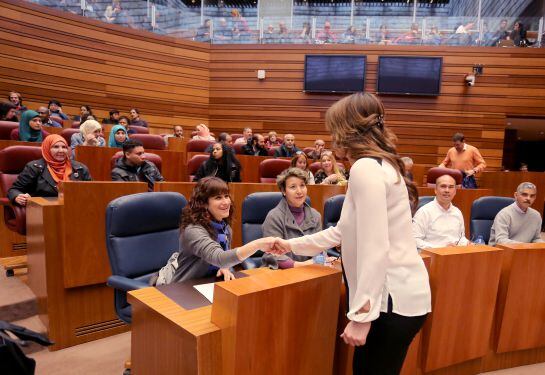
{"type": "Point", "coordinates": [198, 251]}
{"type": "Point", "coordinates": [281, 223]}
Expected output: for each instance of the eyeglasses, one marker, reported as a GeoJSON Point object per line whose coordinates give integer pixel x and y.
{"type": "Point", "coordinates": [42, 113]}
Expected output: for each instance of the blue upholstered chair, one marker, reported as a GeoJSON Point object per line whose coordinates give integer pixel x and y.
{"type": "Point", "coordinates": [483, 212]}
{"type": "Point", "coordinates": [332, 214]}
{"type": "Point", "coordinates": [332, 210]}
{"type": "Point", "coordinates": [255, 208]}
{"type": "Point", "coordinates": [423, 200]}
{"type": "Point", "coordinates": [142, 232]}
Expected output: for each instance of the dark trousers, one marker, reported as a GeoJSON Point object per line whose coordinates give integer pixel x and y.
{"type": "Point", "coordinates": [387, 344]}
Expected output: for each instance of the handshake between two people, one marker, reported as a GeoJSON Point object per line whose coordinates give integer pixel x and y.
{"type": "Point", "coordinates": [274, 245]}
{"type": "Point", "coordinates": [280, 246]}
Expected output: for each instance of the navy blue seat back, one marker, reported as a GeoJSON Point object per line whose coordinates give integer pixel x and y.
{"type": "Point", "coordinates": [423, 200]}
{"type": "Point", "coordinates": [483, 212]}
{"type": "Point", "coordinates": [255, 208]}
{"type": "Point", "coordinates": [332, 210]}
{"type": "Point", "coordinates": [142, 232]}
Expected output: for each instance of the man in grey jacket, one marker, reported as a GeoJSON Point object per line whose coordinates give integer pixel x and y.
{"type": "Point", "coordinates": [518, 222]}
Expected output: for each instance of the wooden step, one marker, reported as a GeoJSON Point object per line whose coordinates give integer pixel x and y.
{"type": "Point", "coordinates": [13, 263]}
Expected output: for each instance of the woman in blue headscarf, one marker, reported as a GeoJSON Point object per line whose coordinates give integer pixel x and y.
{"type": "Point", "coordinates": [118, 136]}
{"type": "Point", "coordinates": [30, 127]}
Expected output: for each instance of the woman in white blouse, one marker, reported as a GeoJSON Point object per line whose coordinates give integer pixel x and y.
{"type": "Point", "coordinates": [387, 282]}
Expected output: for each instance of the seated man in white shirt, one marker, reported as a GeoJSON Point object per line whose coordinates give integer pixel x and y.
{"type": "Point", "coordinates": [439, 223]}
{"type": "Point", "coordinates": [518, 222]}
{"type": "Point", "coordinates": [247, 135]}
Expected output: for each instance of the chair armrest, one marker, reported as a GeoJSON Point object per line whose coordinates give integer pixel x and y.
{"type": "Point", "coordinates": [125, 284]}
{"type": "Point", "coordinates": [5, 202]}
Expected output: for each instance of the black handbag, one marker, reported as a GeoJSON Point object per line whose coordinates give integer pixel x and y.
{"type": "Point", "coordinates": [12, 359]}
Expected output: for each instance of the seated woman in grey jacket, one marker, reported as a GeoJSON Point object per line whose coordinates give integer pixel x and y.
{"type": "Point", "coordinates": [291, 218]}
{"type": "Point", "coordinates": [205, 239]}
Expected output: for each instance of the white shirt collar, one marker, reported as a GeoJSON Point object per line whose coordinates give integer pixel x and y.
{"type": "Point", "coordinates": [518, 209]}
{"type": "Point", "coordinates": [448, 210]}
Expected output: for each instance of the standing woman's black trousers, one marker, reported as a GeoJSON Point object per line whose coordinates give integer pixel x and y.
{"type": "Point", "coordinates": [387, 343]}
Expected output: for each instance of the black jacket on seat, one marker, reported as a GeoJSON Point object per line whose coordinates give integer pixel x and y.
{"type": "Point", "coordinates": [147, 172]}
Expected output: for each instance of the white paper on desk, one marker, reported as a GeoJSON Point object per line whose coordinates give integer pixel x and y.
{"type": "Point", "coordinates": [207, 290]}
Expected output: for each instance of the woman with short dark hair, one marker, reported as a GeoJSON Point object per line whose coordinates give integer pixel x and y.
{"type": "Point", "coordinates": [292, 217]}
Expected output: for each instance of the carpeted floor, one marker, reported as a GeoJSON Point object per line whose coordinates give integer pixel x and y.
{"type": "Point", "coordinates": [101, 357]}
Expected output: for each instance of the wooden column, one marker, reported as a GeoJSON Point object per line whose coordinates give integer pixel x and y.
{"type": "Point", "coordinates": [464, 283]}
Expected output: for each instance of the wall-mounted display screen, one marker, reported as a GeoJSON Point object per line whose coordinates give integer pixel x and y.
{"type": "Point", "coordinates": [334, 73]}
{"type": "Point", "coordinates": [408, 75]}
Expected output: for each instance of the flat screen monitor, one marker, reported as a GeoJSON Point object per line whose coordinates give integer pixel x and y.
{"type": "Point", "coordinates": [334, 73]}
{"type": "Point", "coordinates": [408, 75]}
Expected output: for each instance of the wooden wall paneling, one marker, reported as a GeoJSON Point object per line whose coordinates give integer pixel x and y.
{"type": "Point", "coordinates": [279, 103]}
{"type": "Point", "coordinates": [90, 62]}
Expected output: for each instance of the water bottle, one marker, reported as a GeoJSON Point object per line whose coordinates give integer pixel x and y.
{"type": "Point", "coordinates": [319, 259]}
{"type": "Point", "coordinates": [479, 240]}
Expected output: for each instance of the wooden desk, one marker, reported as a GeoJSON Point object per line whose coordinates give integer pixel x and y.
{"type": "Point", "coordinates": [6, 143]}
{"type": "Point", "coordinates": [318, 194]}
{"type": "Point", "coordinates": [98, 160]}
{"type": "Point", "coordinates": [68, 263]}
{"type": "Point", "coordinates": [505, 184]}
{"type": "Point", "coordinates": [521, 299]}
{"type": "Point", "coordinates": [463, 200]}
{"type": "Point", "coordinates": [177, 144]}
{"type": "Point", "coordinates": [464, 283]}
{"type": "Point", "coordinates": [420, 172]}
{"type": "Point", "coordinates": [234, 335]}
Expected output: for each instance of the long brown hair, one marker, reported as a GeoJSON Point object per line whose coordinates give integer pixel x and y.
{"type": "Point", "coordinates": [196, 211]}
{"type": "Point", "coordinates": [356, 123]}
